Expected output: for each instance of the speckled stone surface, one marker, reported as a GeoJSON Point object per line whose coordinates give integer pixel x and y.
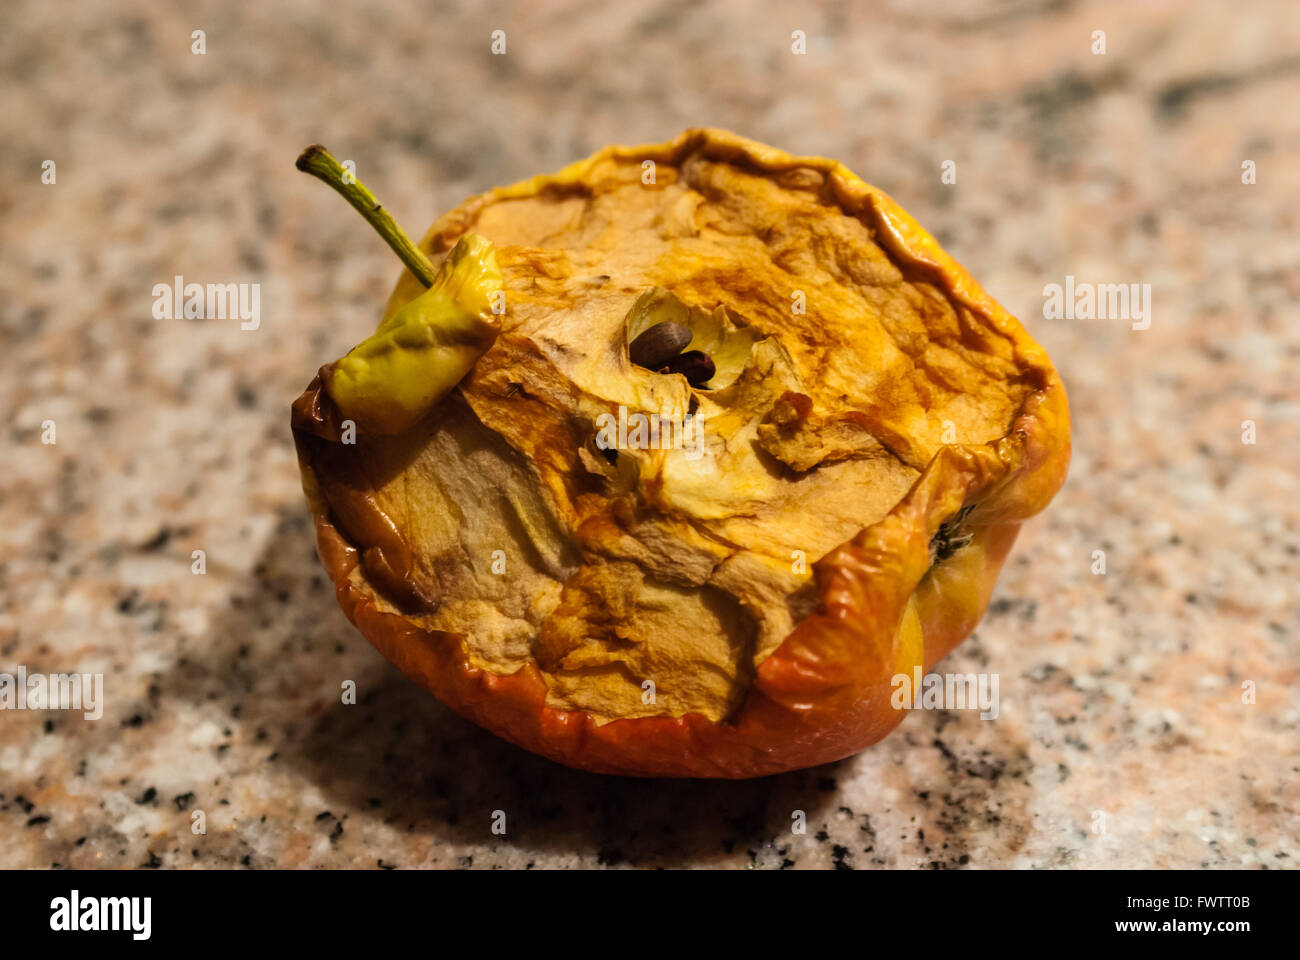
{"type": "Point", "coordinates": [1121, 693]}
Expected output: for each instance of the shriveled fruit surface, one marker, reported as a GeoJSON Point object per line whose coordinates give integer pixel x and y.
{"type": "Point", "coordinates": [850, 478]}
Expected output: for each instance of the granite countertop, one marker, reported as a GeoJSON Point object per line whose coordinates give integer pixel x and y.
{"type": "Point", "coordinates": [1121, 693]}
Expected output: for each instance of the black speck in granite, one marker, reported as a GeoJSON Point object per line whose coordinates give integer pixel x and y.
{"type": "Point", "coordinates": [158, 540]}
{"type": "Point", "coordinates": [37, 821]}
{"type": "Point", "coordinates": [949, 757]}
{"type": "Point", "coordinates": [1041, 672]}
{"type": "Point", "coordinates": [1174, 99]}
{"type": "Point", "coordinates": [1001, 606]}
{"type": "Point", "coordinates": [150, 796]}
{"type": "Point", "coordinates": [986, 769]}
{"type": "Point", "coordinates": [251, 257]}
{"type": "Point", "coordinates": [153, 863]}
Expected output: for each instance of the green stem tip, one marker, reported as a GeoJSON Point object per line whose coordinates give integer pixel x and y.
{"type": "Point", "coordinates": [322, 165]}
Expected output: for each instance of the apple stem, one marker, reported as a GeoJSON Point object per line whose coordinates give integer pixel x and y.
{"type": "Point", "coordinates": [322, 165]}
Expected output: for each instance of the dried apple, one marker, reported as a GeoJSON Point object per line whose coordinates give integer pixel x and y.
{"type": "Point", "coordinates": [673, 478]}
